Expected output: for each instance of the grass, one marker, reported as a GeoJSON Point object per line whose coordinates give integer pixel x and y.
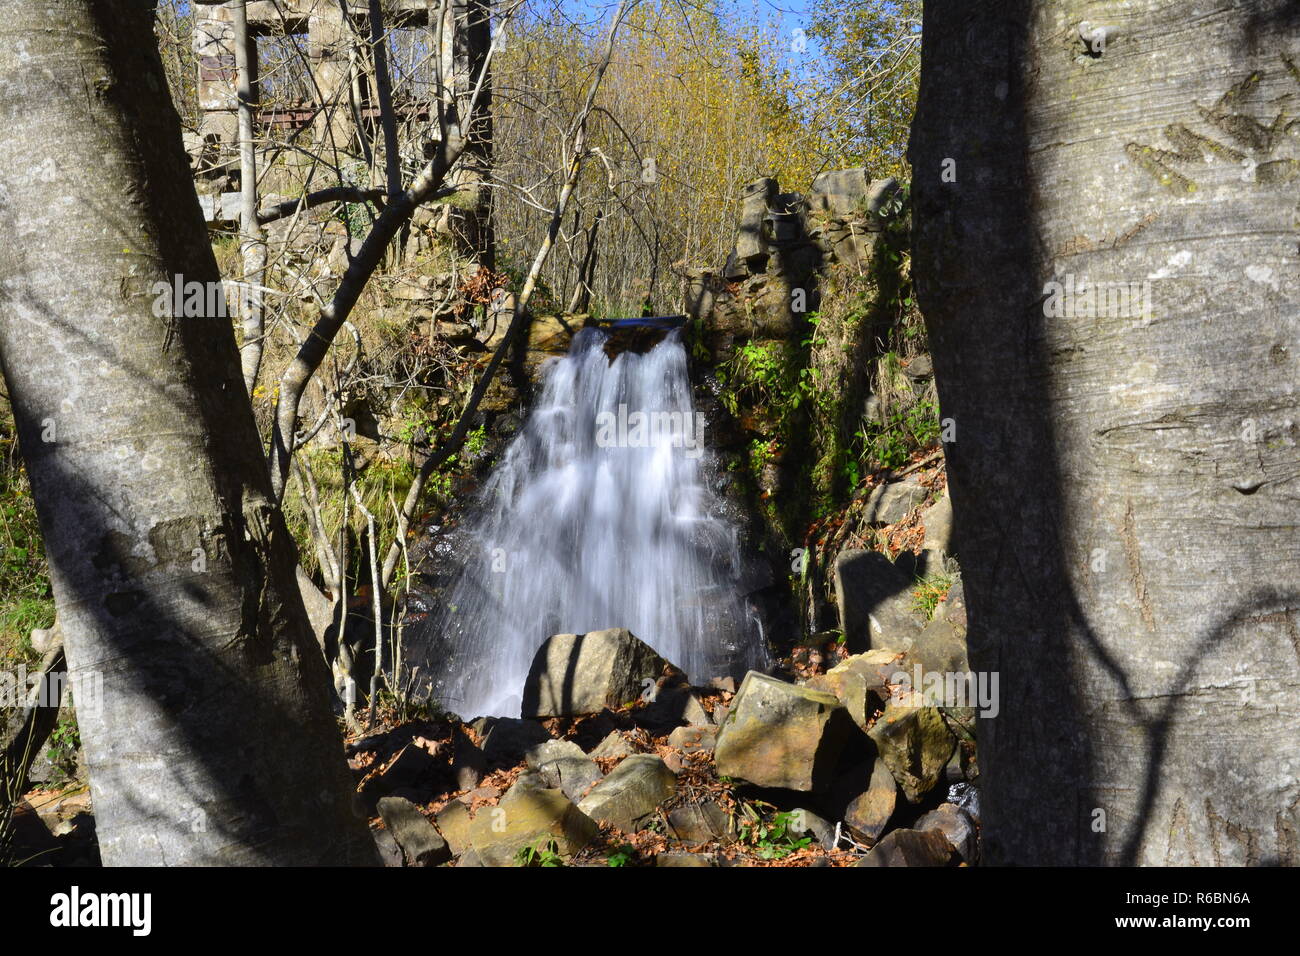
{"type": "Point", "coordinates": [930, 591]}
{"type": "Point", "coordinates": [26, 601]}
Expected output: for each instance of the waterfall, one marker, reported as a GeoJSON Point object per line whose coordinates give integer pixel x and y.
{"type": "Point", "coordinates": [596, 516]}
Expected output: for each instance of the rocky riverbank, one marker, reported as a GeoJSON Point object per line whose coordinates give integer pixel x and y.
{"type": "Point", "coordinates": [619, 760]}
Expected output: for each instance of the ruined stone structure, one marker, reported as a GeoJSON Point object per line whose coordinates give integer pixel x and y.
{"type": "Point", "coordinates": [338, 74]}
{"type": "Point", "coordinates": [343, 90]}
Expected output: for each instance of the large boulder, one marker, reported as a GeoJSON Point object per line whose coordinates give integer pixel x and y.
{"type": "Point", "coordinates": [915, 744]}
{"type": "Point", "coordinates": [631, 792]}
{"type": "Point", "coordinates": [576, 674]}
{"type": "Point", "coordinates": [781, 735]}
{"type": "Point", "coordinates": [910, 848]}
{"type": "Point", "coordinates": [875, 602]}
{"type": "Point", "coordinates": [421, 843]}
{"type": "Point", "coordinates": [527, 817]}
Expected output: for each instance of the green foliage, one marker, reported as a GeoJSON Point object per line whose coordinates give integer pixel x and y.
{"type": "Point", "coordinates": [905, 431]}
{"type": "Point", "coordinates": [476, 442]}
{"type": "Point", "coordinates": [621, 855]}
{"type": "Point", "coordinates": [357, 217]}
{"type": "Point", "coordinates": [764, 373]}
{"type": "Point", "coordinates": [542, 852]}
{"type": "Point", "coordinates": [64, 742]}
{"type": "Point", "coordinates": [772, 838]}
{"type": "Point", "coordinates": [381, 481]}
{"type": "Point", "coordinates": [866, 84]}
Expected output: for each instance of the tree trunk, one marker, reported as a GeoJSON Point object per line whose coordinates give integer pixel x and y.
{"type": "Point", "coordinates": [1124, 476]}
{"type": "Point", "coordinates": [252, 242]}
{"type": "Point", "coordinates": [212, 741]}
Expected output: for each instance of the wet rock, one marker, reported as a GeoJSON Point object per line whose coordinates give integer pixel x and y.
{"type": "Point", "coordinates": [915, 744]}
{"type": "Point", "coordinates": [576, 674]}
{"type": "Point", "coordinates": [966, 796]}
{"type": "Point", "coordinates": [421, 843]}
{"type": "Point", "coordinates": [956, 826]}
{"type": "Point", "coordinates": [562, 765]}
{"type": "Point", "coordinates": [631, 793]}
{"type": "Point", "coordinates": [551, 333]}
{"type": "Point", "coordinates": [782, 735]}
{"type": "Point", "coordinates": [910, 848]}
{"type": "Point", "coordinates": [701, 823]}
{"type": "Point", "coordinates": [529, 818]}
{"type": "Point", "coordinates": [875, 602]}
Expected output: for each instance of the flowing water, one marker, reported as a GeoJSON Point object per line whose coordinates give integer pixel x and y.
{"type": "Point", "coordinates": [597, 516]}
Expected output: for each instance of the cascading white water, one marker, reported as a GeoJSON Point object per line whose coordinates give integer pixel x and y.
{"type": "Point", "coordinates": [597, 516]}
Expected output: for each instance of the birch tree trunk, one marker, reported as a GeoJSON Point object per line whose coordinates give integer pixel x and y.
{"type": "Point", "coordinates": [1125, 472]}
{"type": "Point", "coordinates": [212, 741]}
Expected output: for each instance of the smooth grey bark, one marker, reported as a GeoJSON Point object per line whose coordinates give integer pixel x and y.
{"type": "Point", "coordinates": [172, 569]}
{"type": "Point", "coordinates": [1124, 480]}
{"type": "Point", "coordinates": [251, 240]}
